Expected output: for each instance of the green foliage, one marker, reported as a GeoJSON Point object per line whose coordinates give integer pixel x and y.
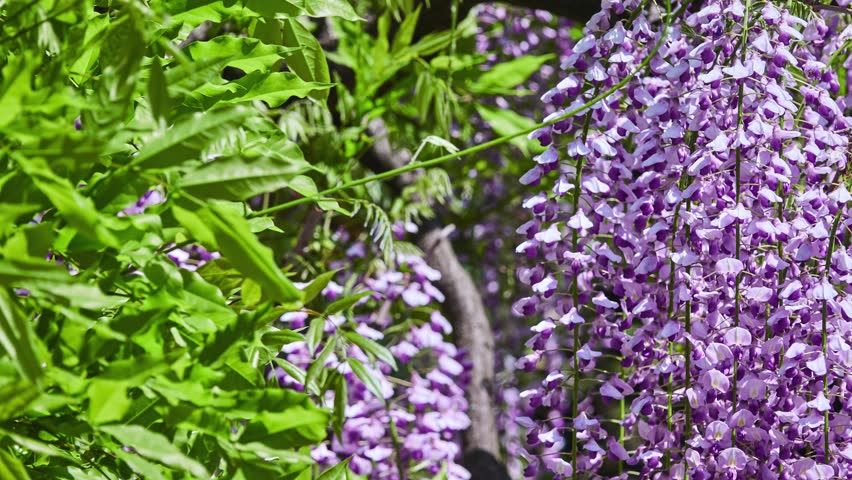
{"type": "Point", "coordinates": [115, 362]}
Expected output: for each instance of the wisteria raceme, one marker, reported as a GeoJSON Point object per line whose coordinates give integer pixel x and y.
{"type": "Point", "coordinates": [424, 399]}
{"type": "Point", "coordinates": [507, 34]}
{"type": "Point", "coordinates": [690, 250]}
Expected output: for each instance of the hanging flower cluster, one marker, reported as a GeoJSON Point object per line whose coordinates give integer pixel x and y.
{"type": "Point", "coordinates": [506, 34]}
{"type": "Point", "coordinates": [691, 250]}
{"type": "Point", "coordinates": [424, 398]}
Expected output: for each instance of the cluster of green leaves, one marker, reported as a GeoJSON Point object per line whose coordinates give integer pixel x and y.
{"type": "Point", "coordinates": [115, 362]}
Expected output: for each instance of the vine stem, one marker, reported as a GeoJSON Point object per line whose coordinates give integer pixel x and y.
{"type": "Point", "coordinates": [738, 244]}
{"type": "Point", "coordinates": [831, 243]}
{"type": "Point", "coordinates": [672, 311]}
{"type": "Point", "coordinates": [476, 148]}
{"type": "Point", "coordinates": [687, 325]}
{"type": "Point", "coordinates": [575, 296]}
{"type": "Point", "coordinates": [396, 443]}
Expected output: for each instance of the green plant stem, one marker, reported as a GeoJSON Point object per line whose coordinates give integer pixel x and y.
{"type": "Point", "coordinates": [672, 311]}
{"type": "Point", "coordinates": [396, 443]}
{"type": "Point", "coordinates": [476, 148]}
{"type": "Point", "coordinates": [621, 432]}
{"type": "Point", "coordinates": [832, 237]}
{"type": "Point", "coordinates": [738, 239]}
{"type": "Point", "coordinates": [575, 295]}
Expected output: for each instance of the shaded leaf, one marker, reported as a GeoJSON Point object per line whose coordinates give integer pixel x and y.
{"type": "Point", "coordinates": [372, 348]}
{"type": "Point", "coordinates": [247, 54]}
{"type": "Point", "coordinates": [508, 75]}
{"type": "Point", "coordinates": [16, 337]}
{"type": "Point", "coordinates": [234, 178]}
{"type": "Point", "coordinates": [15, 396]}
{"type": "Point", "coordinates": [11, 467]}
{"type": "Point", "coordinates": [316, 287]}
{"type": "Point", "coordinates": [108, 401]}
{"type": "Point", "coordinates": [78, 210]}
{"type": "Point", "coordinates": [346, 302]}
{"type": "Point", "coordinates": [220, 228]}
{"type": "Point", "coordinates": [309, 62]}
{"type": "Point", "coordinates": [158, 95]}
{"type": "Point", "coordinates": [367, 378]}
{"type": "Point", "coordinates": [274, 88]}
{"type": "Point", "coordinates": [337, 472]}
{"type": "Point", "coordinates": [187, 139]}
{"type": "Point", "coordinates": [156, 447]}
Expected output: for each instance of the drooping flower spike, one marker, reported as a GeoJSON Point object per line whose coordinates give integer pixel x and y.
{"type": "Point", "coordinates": [693, 228]}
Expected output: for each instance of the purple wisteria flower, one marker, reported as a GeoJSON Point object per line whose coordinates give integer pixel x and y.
{"type": "Point", "coordinates": [427, 405]}
{"type": "Point", "coordinates": [693, 230]}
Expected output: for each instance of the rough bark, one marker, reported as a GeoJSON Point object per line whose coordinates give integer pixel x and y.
{"type": "Point", "coordinates": [465, 309]}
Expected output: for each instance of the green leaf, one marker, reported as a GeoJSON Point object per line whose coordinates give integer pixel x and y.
{"type": "Point", "coordinates": [22, 271]}
{"type": "Point", "coordinates": [17, 75]}
{"type": "Point", "coordinates": [187, 139]}
{"type": "Point", "coordinates": [337, 472]}
{"type": "Point", "coordinates": [197, 11]}
{"type": "Point", "coordinates": [372, 348]}
{"type": "Point", "coordinates": [508, 75]}
{"type": "Point", "coordinates": [314, 335]}
{"type": "Point", "coordinates": [158, 95]}
{"type": "Point", "coordinates": [367, 378]}
{"type": "Point", "coordinates": [247, 54]}
{"type": "Point", "coordinates": [16, 337]}
{"type": "Point", "coordinates": [318, 364]}
{"type": "Point", "coordinates": [108, 401]}
{"type": "Point", "coordinates": [327, 8]}
{"type": "Point", "coordinates": [290, 428]}
{"type": "Point", "coordinates": [274, 88]}
{"type": "Point", "coordinates": [11, 467]}
{"type": "Point", "coordinates": [309, 62]}
{"type": "Point", "coordinates": [306, 187]}
{"type": "Point", "coordinates": [139, 465]}
{"type": "Point", "coordinates": [261, 451]}
{"type": "Point", "coordinates": [33, 241]}
{"type": "Point", "coordinates": [262, 224]}
{"type": "Point", "coordinates": [234, 178]}
{"type": "Point", "coordinates": [37, 446]}
{"type": "Point", "coordinates": [506, 122]}
{"type": "Point", "coordinates": [15, 396]}
{"type": "Point", "coordinates": [156, 447]}
{"type": "Point", "coordinates": [405, 34]}
{"type": "Point", "coordinates": [346, 302]}
{"type": "Point", "coordinates": [341, 399]}
{"type": "Point", "coordinates": [220, 228]}
{"type": "Point", "coordinates": [10, 212]}
{"type": "Point", "coordinates": [316, 287]}
{"type": "Point", "coordinates": [297, 373]}
{"type": "Point", "coordinates": [78, 210]}
{"type": "Point", "coordinates": [251, 293]}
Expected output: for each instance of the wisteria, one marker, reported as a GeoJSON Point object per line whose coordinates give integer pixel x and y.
{"type": "Point", "coordinates": [690, 250]}
{"type": "Point", "coordinates": [424, 399]}
{"type": "Point", "coordinates": [506, 34]}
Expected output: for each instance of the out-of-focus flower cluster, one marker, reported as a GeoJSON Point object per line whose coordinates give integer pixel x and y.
{"type": "Point", "coordinates": [690, 250]}
{"type": "Point", "coordinates": [424, 398]}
